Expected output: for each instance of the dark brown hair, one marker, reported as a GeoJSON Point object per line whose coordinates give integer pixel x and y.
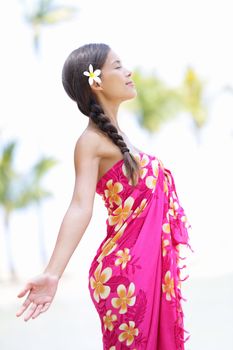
{"type": "Point", "coordinates": [78, 89]}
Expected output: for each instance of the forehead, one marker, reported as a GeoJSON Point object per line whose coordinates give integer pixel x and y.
{"type": "Point", "coordinates": [112, 58]}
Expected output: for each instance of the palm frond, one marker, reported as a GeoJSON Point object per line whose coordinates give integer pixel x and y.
{"type": "Point", "coordinates": [46, 12]}
{"type": "Point", "coordinates": [192, 91]}
{"type": "Point", "coordinates": [155, 102]}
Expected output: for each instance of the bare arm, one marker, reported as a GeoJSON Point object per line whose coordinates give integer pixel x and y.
{"type": "Point", "coordinates": [42, 288]}
{"type": "Point", "coordinates": [80, 209]}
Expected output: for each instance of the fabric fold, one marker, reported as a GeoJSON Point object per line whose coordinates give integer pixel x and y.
{"type": "Point", "coordinates": [135, 276]}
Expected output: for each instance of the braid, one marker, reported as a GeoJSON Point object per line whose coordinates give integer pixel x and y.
{"type": "Point", "coordinates": [78, 89]}
{"type": "Point", "coordinates": [104, 124]}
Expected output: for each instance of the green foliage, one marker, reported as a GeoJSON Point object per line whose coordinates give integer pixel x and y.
{"type": "Point", "coordinates": [45, 12]}
{"type": "Point", "coordinates": [8, 177]}
{"type": "Point", "coordinates": [42, 167]}
{"type": "Point", "coordinates": [191, 93]}
{"type": "Point", "coordinates": [19, 190]}
{"type": "Point", "coordinates": [156, 102]}
{"type": "Point", "coordinates": [39, 170]}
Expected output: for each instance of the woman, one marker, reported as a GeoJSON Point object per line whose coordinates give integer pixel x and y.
{"type": "Point", "coordinates": [134, 278]}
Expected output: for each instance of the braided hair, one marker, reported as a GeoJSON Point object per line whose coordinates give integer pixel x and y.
{"type": "Point", "coordinates": [77, 88]}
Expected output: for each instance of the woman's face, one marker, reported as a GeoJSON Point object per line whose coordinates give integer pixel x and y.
{"type": "Point", "coordinates": [116, 81]}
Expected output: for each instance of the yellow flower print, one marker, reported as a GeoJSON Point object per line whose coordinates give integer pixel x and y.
{"type": "Point", "coordinates": [129, 332]}
{"type": "Point", "coordinates": [166, 228]}
{"type": "Point", "coordinates": [184, 219]}
{"type": "Point", "coordinates": [125, 298]}
{"type": "Point", "coordinates": [112, 192]}
{"type": "Point", "coordinates": [173, 207]}
{"type": "Point", "coordinates": [143, 162]}
{"type": "Point", "coordinates": [140, 209]}
{"type": "Point", "coordinates": [165, 187]}
{"type": "Point", "coordinates": [108, 320]}
{"type": "Point", "coordinates": [120, 214]}
{"type": "Point", "coordinates": [124, 257]}
{"type": "Point", "coordinates": [151, 181]}
{"type": "Point", "coordinates": [112, 348]}
{"type": "Point", "coordinates": [110, 245]}
{"type": "Point", "coordinates": [155, 167]}
{"type": "Point", "coordinates": [165, 243]}
{"type": "Point", "coordinates": [120, 232]}
{"type": "Point", "coordinates": [168, 287]}
{"type": "Point", "coordinates": [97, 283]}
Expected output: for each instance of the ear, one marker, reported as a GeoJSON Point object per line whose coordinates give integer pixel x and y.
{"type": "Point", "coordinates": [96, 86]}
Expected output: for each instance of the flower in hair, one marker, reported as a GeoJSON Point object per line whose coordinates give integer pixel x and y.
{"type": "Point", "coordinates": [93, 75]}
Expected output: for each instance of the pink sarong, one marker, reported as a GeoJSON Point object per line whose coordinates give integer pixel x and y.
{"type": "Point", "coordinates": [135, 276]}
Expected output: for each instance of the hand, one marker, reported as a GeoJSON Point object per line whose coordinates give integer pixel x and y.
{"type": "Point", "coordinates": [42, 290]}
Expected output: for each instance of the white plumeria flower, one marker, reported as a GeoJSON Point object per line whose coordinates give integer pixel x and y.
{"type": "Point", "coordinates": [93, 75]}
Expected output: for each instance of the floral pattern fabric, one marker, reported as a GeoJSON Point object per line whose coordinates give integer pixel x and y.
{"type": "Point", "coordinates": [135, 276]}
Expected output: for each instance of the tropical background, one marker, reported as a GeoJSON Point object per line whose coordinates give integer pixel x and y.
{"type": "Point", "coordinates": [181, 58]}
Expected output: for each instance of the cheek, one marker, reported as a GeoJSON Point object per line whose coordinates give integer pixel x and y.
{"type": "Point", "coordinates": [114, 86]}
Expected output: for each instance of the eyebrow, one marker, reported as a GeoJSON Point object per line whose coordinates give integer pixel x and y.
{"type": "Point", "coordinates": [116, 61]}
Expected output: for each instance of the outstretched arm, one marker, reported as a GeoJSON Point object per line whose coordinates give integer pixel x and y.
{"type": "Point", "coordinates": [41, 289]}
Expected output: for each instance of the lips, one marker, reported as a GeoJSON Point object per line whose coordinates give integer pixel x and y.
{"type": "Point", "coordinates": [130, 83]}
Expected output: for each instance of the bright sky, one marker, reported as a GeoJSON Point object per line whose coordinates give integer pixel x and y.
{"type": "Point", "coordinates": [166, 36]}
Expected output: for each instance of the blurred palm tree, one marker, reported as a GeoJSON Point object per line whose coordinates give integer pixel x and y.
{"type": "Point", "coordinates": [39, 13]}
{"type": "Point", "coordinates": [12, 196]}
{"type": "Point", "coordinates": [17, 192]}
{"type": "Point", "coordinates": [155, 103]}
{"type": "Point", "coordinates": [192, 98]}
{"type": "Point", "coordinates": [38, 194]}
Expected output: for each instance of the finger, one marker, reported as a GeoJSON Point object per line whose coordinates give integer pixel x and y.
{"type": "Point", "coordinates": [37, 311]}
{"type": "Point", "coordinates": [24, 290]}
{"type": "Point", "coordinates": [45, 307]}
{"type": "Point", "coordinates": [25, 305]}
{"type": "Point", "coordinates": [30, 312]}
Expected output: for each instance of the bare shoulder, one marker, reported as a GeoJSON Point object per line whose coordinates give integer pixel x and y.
{"type": "Point", "coordinates": [88, 145]}
{"type": "Point", "coordinates": [86, 163]}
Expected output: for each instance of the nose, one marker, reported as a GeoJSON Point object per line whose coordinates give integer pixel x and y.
{"type": "Point", "coordinates": [129, 73]}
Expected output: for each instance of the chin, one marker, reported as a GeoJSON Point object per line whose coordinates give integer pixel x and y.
{"type": "Point", "coordinates": [130, 96]}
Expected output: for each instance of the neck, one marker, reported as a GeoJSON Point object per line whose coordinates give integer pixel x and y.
{"type": "Point", "coordinates": [111, 110]}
